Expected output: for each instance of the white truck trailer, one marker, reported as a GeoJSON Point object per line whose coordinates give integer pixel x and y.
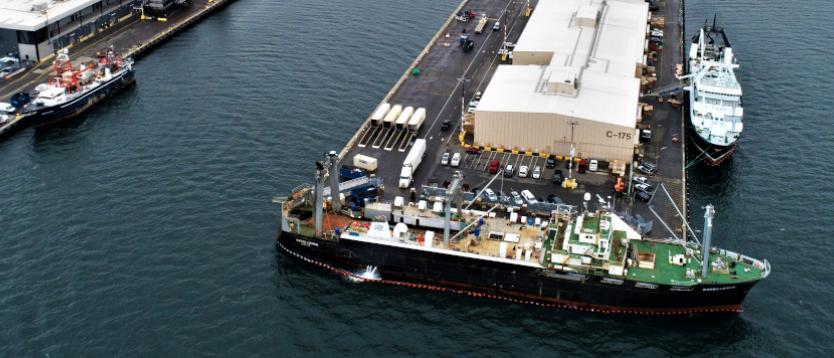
{"type": "Point", "coordinates": [412, 162]}
{"type": "Point", "coordinates": [392, 115]}
{"type": "Point", "coordinates": [416, 120]}
{"type": "Point", "coordinates": [380, 112]}
{"type": "Point", "coordinates": [405, 115]}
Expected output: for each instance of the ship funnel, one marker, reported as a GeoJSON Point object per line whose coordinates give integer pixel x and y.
{"type": "Point", "coordinates": [708, 215]}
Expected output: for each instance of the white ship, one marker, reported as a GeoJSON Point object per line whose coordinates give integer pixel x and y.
{"type": "Point", "coordinates": [715, 105]}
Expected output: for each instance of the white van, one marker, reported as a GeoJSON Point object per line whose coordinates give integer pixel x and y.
{"type": "Point", "coordinates": [527, 195]}
{"type": "Point", "coordinates": [593, 165]}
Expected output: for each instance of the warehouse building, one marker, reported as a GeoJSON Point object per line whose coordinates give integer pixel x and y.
{"type": "Point", "coordinates": [574, 80]}
{"type": "Point", "coordinates": [34, 29]}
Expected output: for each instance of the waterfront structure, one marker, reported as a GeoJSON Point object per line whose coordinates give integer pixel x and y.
{"type": "Point", "coordinates": [35, 29]}
{"type": "Point", "coordinates": [574, 80]}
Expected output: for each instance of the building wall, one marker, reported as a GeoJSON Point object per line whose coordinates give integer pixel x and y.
{"type": "Point", "coordinates": [532, 57]}
{"type": "Point", "coordinates": [551, 133]}
{"type": "Point", "coordinates": [8, 42]}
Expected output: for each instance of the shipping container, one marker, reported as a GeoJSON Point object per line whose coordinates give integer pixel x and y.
{"type": "Point", "coordinates": [365, 162]}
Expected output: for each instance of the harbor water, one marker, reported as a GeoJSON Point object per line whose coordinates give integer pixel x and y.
{"type": "Point", "coordinates": [146, 228]}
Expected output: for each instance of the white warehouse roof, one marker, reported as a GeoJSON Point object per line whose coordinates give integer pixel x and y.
{"type": "Point", "coordinates": [28, 15]}
{"type": "Point", "coordinates": [576, 58]}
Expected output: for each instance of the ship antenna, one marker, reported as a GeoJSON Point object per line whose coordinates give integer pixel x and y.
{"type": "Point", "coordinates": [709, 213]}
{"type": "Point", "coordinates": [713, 21]}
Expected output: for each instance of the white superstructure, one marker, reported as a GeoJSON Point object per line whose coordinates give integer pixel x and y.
{"type": "Point", "coordinates": [715, 106]}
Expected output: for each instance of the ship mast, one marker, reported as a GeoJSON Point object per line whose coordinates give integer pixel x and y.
{"type": "Point", "coordinates": [709, 213]}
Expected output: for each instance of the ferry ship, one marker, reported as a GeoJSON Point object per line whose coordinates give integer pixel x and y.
{"type": "Point", "coordinates": [715, 96]}
{"type": "Point", "coordinates": [541, 254]}
{"type": "Point", "coordinates": [73, 91]}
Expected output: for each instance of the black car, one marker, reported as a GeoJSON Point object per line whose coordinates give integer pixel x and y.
{"type": "Point", "coordinates": [643, 196]}
{"type": "Point", "coordinates": [446, 125]}
{"type": "Point", "coordinates": [558, 177]}
{"type": "Point", "coordinates": [553, 199]}
{"type": "Point", "coordinates": [550, 163]}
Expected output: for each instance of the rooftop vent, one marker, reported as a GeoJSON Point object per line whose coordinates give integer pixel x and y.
{"type": "Point", "coordinates": [587, 15]}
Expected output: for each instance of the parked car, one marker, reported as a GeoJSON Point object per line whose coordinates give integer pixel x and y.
{"type": "Point", "coordinates": [583, 166]}
{"type": "Point", "coordinates": [509, 171]}
{"type": "Point", "coordinates": [527, 195]}
{"type": "Point", "coordinates": [643, 196]}
{"type": "Point", "coordinates": [550, 163]}
{"type": "Point", "coordinates": [473, 150]}
{"type": "Point", "coordinates": [522, 171]}
{"type": "Point", "coordinates": [558, 177]}
{"type": "Point", "coordinates": [553, 199]}
{"type": "Point", "coordinates": [444, 160]}
{"type": "Point", "coordinates": [537, 172]}
{"type": "Point", "coordinates": [643, 187]}
{"type": "Point", "coordinates": [516, 198]}
{"type": "Point", "coordinates": [455, 160]}
{"type": "Point", "coordinates": [490, 195]}
{"type": "Point", "coordinates": [647, 168]}
{"type": "Point", "coordinates": [493, 167]}
{"type": "Point", "coordinates": [593, 165]}
{"type": "Point", "coordinates": [477, 96]}
{"type": "Point", "coordinates": [640, 180]}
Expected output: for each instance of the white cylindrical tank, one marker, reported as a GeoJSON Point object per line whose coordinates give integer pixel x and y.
{"type": "Point", "coordinates": [380, 112]}
{"type": "Point", "coordinates": [405, 115]}
{"type": "Point", "coordinates": [392, 115]}
{"type": "Point", "coordinates": [429, 239]}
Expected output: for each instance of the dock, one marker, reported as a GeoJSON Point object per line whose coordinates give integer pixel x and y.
{"type": "Point", "coordinates": [131, 36]}
{"type": "Point", "coordinates": [447, 73]}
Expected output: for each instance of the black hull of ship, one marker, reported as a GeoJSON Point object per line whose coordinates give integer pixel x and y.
{"type": "Point", "coordinates": [513, 283]}
{"type": "Point", "coordinates": [54, 114]}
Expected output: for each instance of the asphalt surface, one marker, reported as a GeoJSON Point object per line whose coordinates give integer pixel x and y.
{"type": "Point", "coordinates": [446, 70]}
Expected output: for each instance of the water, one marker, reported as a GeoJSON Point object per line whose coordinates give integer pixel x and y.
{"type": "Point", "coordinates": [146, 229]}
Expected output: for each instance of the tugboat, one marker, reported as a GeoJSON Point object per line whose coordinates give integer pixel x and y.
{"type": "Point", "coordinates": [71, 92]}
{"type": "Point", "coordinates": [715, 105]}
{"type": "Point", "coordinates": [542, 254]}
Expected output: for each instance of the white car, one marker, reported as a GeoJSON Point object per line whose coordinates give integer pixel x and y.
{"type": "Point", "coordinates": [444, 160]}
{"type": "Point", "coordinates": [455, 160]}
{"type": "Point", "coordinates": [593, 165]}
{"type": "Point", "coordinates": [537, 172]}
{"type": "Point", "coordinates": [516, 198]}
{"type": "Point", "coordinates": [641, 180]}
{"type": "Point", "coordinates": [523, 171]}
{"type": "Point", "coordinates": [490, 195]}
{"type": "Point", "coordinates": [7, 108]}
{"type": "Point", "coordinates": [527, 195]}
{"type": "Point", "coordinates": [643, 187]}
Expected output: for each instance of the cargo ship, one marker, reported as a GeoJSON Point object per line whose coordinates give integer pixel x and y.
{"type": "Point", "coordinates": [542, 254]}
{"type": "Point", "coordinates": [715, 104]}
{"type": "Point", "coordinates": [73, 91]}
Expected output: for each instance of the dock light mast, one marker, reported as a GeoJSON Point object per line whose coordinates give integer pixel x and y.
{"type": "Point", "coordinates": [709, 213]}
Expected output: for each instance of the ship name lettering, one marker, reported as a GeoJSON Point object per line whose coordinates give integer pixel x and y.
{"type": "Point", "coordinates": [307, 243]}
{"type": "Point", "coordinates": [724, 288]}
